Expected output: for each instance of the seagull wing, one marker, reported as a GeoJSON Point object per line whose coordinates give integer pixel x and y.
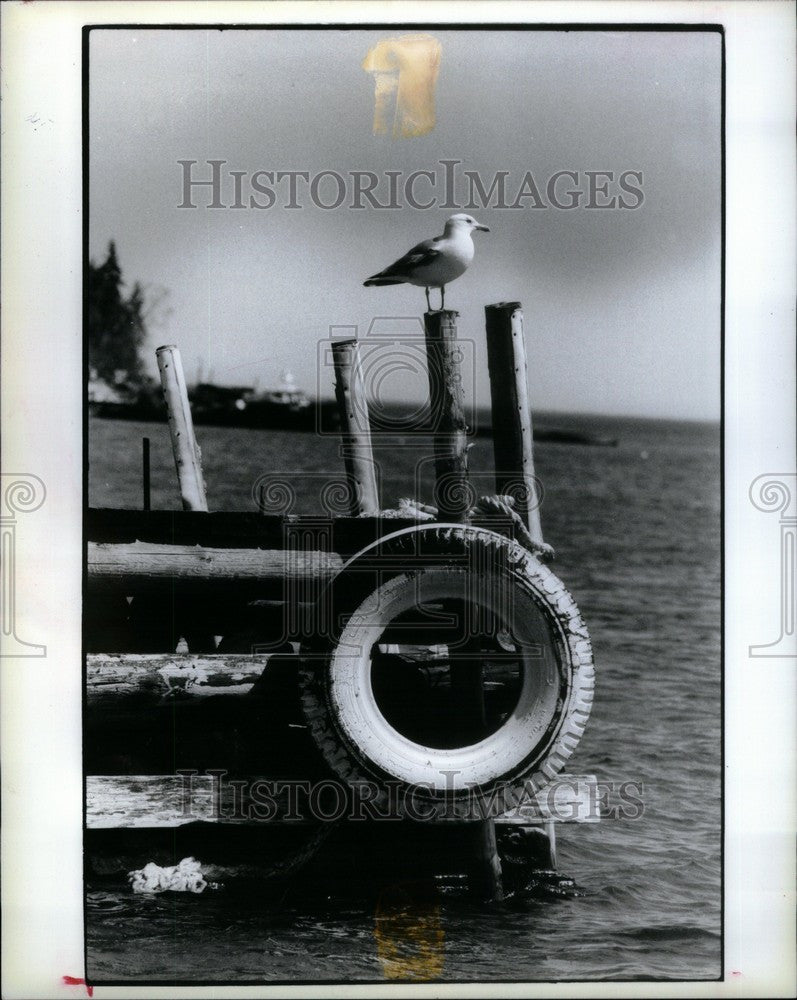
{"type": "Point", "coordinates": [420, 255]}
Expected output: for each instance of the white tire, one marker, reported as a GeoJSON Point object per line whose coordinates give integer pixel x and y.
{"type": "Point", "coordinates": [479, 569]}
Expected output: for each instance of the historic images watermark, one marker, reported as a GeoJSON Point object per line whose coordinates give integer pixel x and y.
{"type": "Point", "coordinates": [20, 493]}
{"type": "Point", "coordinates": [776, 493]}
{"type": "Point", "coordinates": [405, 71]}
{"type": "Point", "coordinates": [214, 184]}
{"type": "Point", "coordinates": [216, 794]}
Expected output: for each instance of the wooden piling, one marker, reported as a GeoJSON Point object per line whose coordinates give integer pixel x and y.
{"type": "Point", "coordinates": [447, 403]}
{"type": "Point", "coordinates": [511, 412]}
{"type": "Point", "coordinates": [486, 874]}
{"type": "Point", "coordinates": [550, 833]}
{"type": "Point", "coordinates": [452, 491]}
{"type": "Point", "coordinates": [187, 457]}
{"type": "Point", "coordinates": [453, 501]}
{"type": "Point", "coordinates": [358, 458]}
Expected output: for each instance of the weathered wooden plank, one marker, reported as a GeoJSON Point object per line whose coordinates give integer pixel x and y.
{"type": "Point", "coordinates": [155, 677]}
{"type": "Point", "coordinates": [165, 675]}
{"type": "Point", "coordinates": [149, 801]}
{"type": "Point", "coordinates": [148, 559]}
{"type": "Point", "coordinates": [236, 529]}
{"type": "Point", "coordinates": [171, 800]}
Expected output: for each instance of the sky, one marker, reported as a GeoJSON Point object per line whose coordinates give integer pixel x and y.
{"type": "Point", "coordinates": [621, 306]}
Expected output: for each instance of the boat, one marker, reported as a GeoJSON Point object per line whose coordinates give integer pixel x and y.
{"type": "Point", "coordinates": [559, 435]}
{"type": "Point", "coordinates": [556, 435]}
{"type": "Point", "coordinates": [285, 407]}
{"type": "Point", "coordinates": [124, 399]}
{"type": "Point", "coordinates": [276, 407]}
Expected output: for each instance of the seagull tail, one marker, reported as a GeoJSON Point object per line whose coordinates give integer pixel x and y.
{"type": "Point", "coordinates": [377, 279]}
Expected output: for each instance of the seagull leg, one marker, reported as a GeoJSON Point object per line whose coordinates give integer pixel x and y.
{"type": "Point", "coordinates": [442, 296]}
{"type": "Point", "coordinates": [428, 301]}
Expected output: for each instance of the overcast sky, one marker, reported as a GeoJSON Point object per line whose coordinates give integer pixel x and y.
{"type": "Point", "coordinates": [622, 307]}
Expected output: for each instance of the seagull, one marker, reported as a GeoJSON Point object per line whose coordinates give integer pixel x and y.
{"type": "Point", "coordinates": [435, 262]}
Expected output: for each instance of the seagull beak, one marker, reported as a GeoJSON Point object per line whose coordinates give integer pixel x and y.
{"type": "Point", "coordinates": [484, 229]}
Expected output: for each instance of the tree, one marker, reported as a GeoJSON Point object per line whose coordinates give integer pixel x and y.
{"type": "Point", "coordinates": [116, 325]}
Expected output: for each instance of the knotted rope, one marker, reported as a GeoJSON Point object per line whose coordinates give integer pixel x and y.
{"type": "Point", "coordinates": [485, 513]}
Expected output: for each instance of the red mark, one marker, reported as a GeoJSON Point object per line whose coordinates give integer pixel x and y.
{"type": "Point", "coordinates": [736, 972]}
{"type": "Point", "coordinates": [72, 981]}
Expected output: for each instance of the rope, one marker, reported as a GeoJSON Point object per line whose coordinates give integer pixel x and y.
{"type": "Point", "coordinates": [485, 510]}
{"type": "Point", "coordinates": [483, 514]}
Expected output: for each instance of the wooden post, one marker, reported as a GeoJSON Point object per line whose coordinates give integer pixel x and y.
{"type": "Point", "coordinates": [145, 469]}
{"type": "Point", "coordinates": [447, 404]}
{"type": "Point", "coordinates": [452, 491]}
{"type": "Point", "coordinates": [187, 457]}
{"type": "Point", "coordinates": [550, 833]}
{"type": "Point", "coordinates": [512, 430]}
{"type": "Point", "coordinates": [358, 457]}
{"type": "Point", "coordinates": [486, 875]}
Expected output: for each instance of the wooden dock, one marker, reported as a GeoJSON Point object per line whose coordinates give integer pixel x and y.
{"type": "Point", "coordinates": [229, 652]}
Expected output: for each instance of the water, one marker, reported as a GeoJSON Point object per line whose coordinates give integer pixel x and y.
{"type": "Point", "coordinates": [637, 534]}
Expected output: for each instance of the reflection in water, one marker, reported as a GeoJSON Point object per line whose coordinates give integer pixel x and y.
{"type": "Point", "coordinates": [409, 932]}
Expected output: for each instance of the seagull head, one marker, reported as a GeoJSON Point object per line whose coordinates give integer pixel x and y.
{"type": "Point", "coordinates": [463, 221]}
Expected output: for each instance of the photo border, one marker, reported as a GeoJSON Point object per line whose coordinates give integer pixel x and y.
{"type": "Point", "coordinates": [758, 937]}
